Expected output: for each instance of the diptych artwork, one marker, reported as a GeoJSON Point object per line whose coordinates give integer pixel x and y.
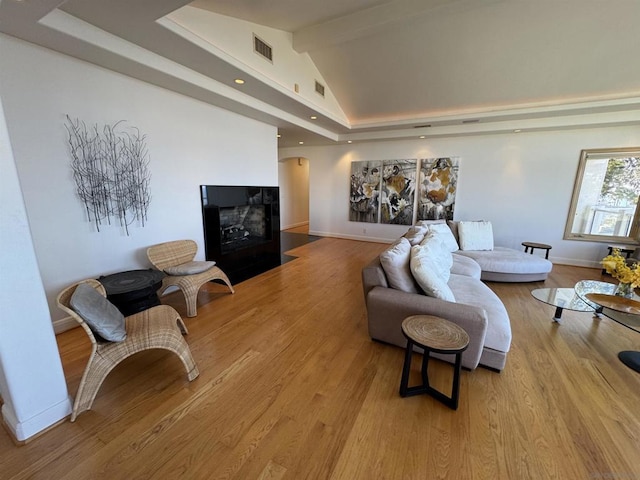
{"type": "Point", "coordinates": [385, 191]}
{"type": "Point", "coordinates": [364, 197]}
{"type": "Point", "coordinates": [398, 191]}
{"type": "Point", "coordinates": [437, 189]}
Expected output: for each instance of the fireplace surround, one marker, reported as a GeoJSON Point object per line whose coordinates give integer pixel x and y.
{"type": "Point", "coordinates": [241, 228]}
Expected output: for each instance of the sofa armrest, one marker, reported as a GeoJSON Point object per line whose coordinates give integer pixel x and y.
{"type": "Point", "coordinates": [387, 308]}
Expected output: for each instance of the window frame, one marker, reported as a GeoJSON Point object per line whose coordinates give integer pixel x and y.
{"type": "Point", "coordinates": [599, 154]}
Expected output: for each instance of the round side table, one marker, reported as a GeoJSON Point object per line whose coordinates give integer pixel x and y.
{"type": "Point", "coordinates": [433, 334]}
{"type": "Point", "coordinates": [534, 245]}
{"type": "Point", "coordinates": [133, 291]}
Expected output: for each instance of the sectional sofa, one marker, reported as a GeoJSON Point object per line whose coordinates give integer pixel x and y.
{"type": "Point", "coordinates": [426, 272]}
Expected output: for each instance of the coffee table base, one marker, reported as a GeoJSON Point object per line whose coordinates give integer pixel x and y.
{"type": "Point", "coordinates": [631, 359]}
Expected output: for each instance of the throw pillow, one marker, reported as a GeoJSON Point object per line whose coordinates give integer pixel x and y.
{"type": "Point", "coordinates": [426, 265]}
{"type": "Point", "coordinates": [475, 235]}
{"type": "Point", "coordinates": [428, 223]}
{"type": "Point", "coordinates": [442, 231]}
{"type": "Point", "coordinates": [395, 263]}
{"type": "Point", "coordinates": [100, 314]}
{"type": "Point", "coordinates": [442, 255]}
{"type": "Point", "coordinates": [189, 268]}
{"type": "Point", "coordinates": [415, 234]}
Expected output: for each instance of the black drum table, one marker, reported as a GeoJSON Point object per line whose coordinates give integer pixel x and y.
{"type": "Point", "coordinates": [133, 291]}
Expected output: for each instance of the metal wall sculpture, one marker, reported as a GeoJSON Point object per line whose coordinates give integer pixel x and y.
{"type": "Point", "coordinates": [438, 186]}
{"type": "Point", "coordinates": [111, 171]}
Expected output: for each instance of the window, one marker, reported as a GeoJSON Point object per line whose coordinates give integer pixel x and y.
{"type": "Point", "coordinates": [605, 197]}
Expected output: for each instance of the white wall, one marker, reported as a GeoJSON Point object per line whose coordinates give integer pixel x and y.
{"type": "Point", "coordinates": [32, 383]}
{"type": "Point", "coordinates": [234, 37]}
{"type": "Point", "coordinates": [521, 182]}
{"type": "Point", "coordinates": [293, 177]}
{"type": "Point", "coordinates": [190, 143]}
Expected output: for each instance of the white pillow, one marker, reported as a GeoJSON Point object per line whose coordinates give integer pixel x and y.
{"type": "Point", "coordinates": [427, 266]}
{"type": "Point", "coordinates": [395, 263]}
{"type": "Point", "coordinates": [415, 234]}
{"type": "Point", "coordinates": [475, 235]}
{"type": "Point", "coordinates": [442, 231]}
{"type": "Point", "coordinates": [190, 268]}
{"type": "Point", "coordinates": [428, 223]}
{"type": "Point", "coordinates": [441, 252]}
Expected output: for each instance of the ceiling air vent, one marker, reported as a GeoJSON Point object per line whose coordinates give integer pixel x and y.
{"type": "Point", "coordinates": [319, 88]}
{"type": "Point", "coordinates": [261, 48]}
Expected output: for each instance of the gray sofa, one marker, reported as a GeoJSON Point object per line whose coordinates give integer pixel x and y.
{"type": "Point", "coordinates": [503, 264]}
{"type": "Point", "coordinates": [477, 309]}
{"type": "Point", "coordinates": [394, 287]}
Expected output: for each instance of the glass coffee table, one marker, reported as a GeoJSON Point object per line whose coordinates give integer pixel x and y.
{"type": "Point", "coordinates": [624, 311]}
{"type": "Point", "coordinates": [564, 299]}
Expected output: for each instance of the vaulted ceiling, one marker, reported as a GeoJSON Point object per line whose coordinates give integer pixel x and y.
{"type": "Point", "coordinates": [397, 69]}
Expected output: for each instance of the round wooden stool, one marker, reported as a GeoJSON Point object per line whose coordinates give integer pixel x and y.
{"type": "Point", "coordinates": [433, 334]}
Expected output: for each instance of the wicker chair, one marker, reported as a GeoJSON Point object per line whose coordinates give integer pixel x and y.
{"type": "Point", "coordinates": [158, 327]}
{"type": "Point", "coordinates": [179, 252]}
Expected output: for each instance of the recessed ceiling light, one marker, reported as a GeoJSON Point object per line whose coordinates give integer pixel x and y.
{"type": "Point", "coordinates": [300, 143]}
{"type": "Point", "coordinates": [349, 141]}
{"type": "Point", "coordinates": [517, 130]}
{"type": "Point", "coordinates": [239, 81]}
{"type": "Point", "coordinates": [422, 136]}
{"type": "Point", "coordinates": [313, 117]}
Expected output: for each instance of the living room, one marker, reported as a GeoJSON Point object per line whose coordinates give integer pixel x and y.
{"type": "Point", "coordinates": [521, 181]}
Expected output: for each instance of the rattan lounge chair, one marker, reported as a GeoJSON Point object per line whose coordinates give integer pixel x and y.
{"type": "Point", "coordinates": [158, 327]}
{"type": "Point", "coordinates": [180, 252]}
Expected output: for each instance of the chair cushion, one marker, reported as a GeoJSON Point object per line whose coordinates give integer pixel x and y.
{"type": "Point", "coordinates": [475, 235]}
{"type": "Point", "coordinates": [102, 316]}
{"type": "Point", "coordinates": [395, 263]}
{"type": "Point", "coordinates": [189, 268]}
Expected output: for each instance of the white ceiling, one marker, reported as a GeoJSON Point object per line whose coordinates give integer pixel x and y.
{"type": "Point", "coordinates": [392, 65]}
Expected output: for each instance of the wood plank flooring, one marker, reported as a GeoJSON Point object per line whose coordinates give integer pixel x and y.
{"type": "Point", "coordinates": [291, 387]}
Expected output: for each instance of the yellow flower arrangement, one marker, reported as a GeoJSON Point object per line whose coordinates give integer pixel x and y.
{"type": "Point", "coordinates": [616, 266]}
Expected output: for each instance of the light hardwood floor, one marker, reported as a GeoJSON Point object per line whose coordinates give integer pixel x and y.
{"type": "Point", "coordinates": [291, 387]}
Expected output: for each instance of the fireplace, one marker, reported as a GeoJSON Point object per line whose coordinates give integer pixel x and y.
{"type": "Point", "coordinates": [241, 228]}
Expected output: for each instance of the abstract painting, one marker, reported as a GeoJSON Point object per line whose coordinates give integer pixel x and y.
{"type": "Point", "coordinates": [398, 191]}
{"type": "Point", "coordinates": [437, 188]}
{"type": "Point", "coordinates": [364, 196]}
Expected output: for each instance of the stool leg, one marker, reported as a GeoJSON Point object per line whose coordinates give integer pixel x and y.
{"type": "Point", "coordinates": [455, 390]}
{"type": "Point", "coordinates": [425, 368]}
{"type": "Point", "coordinates": [406, 368]}
{"type": "Point", "coordinates": [547, 254]}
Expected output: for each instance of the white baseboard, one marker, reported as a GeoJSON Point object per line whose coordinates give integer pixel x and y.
{"type": "Point", "coordinates": [353, 237]}
{"type": "Point", "coordinates": [64, 324]}
{"type": "Point", "coordinates": [294, 225]}
{"type": "Point", "coordinates": [23, 431]}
